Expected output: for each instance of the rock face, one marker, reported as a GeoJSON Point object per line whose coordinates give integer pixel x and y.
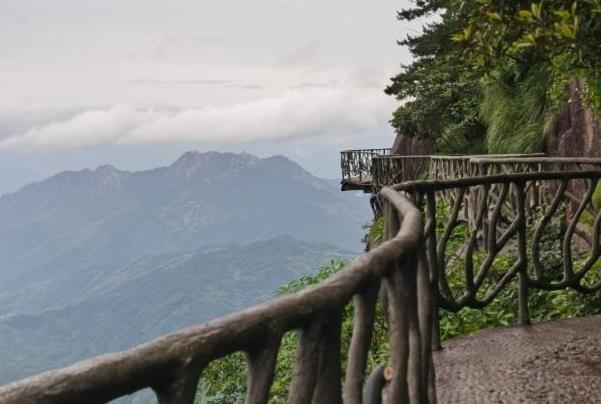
{"type": "Point", "coordinates": [412, 146]}
{"type": "Point", "coordinates": [575, 133]}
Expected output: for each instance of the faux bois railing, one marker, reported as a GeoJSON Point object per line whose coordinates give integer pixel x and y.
{"type": "Point", "coordinates": [551, 244]}
{"type": "Point", "coordinates": [171, 366]}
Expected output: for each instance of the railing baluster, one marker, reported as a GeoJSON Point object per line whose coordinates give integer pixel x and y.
{"type": "Point", "coordinates": [430, 240]}
{"type": "Point", "coordinates": [428, 328]}
{"type": "Point", "coordinates": [538, 232]}
{"type": "Point", "coordinates": [328, 388]}
{"type": "Point", "coordinates": [568, 267]}
{"type": "Point", "coordinates": [398, 309]}
{"type": "Point", "coordinates": [179, 387]}
{"type": "Point", "coordinates": [398, 298]}
{"type": "Point", "coordinates": [363, 323]}
{"type": "Point", "coordinates": [261, 369]}
{"type": "Point", "coordinates": [304, 377]}
{"type": "Point", "coordinates": [523, 316]}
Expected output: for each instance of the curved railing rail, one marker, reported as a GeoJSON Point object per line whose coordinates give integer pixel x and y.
{"type": "Point", "coordinates": [171, 366]}
{"type": "Point", "coordinates": [569, 228]}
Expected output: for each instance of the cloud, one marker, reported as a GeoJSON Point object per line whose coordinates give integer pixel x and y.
{"type": "Point", "coordinates": [295, 113]}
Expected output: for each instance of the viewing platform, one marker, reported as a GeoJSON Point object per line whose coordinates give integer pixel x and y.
{"type": "Point", "coordinates": [356, 166]}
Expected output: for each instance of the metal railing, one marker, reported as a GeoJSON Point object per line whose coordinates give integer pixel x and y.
{"type": "Point", "coordinates": [172, 365]}
{"type": "Point", "coordinates": [357, 164]}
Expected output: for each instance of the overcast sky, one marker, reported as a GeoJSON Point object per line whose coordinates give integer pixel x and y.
{"type": "Point", "coordinates": [134, 83]}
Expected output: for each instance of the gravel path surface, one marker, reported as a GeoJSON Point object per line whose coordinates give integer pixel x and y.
{"type": "Point", "coordinates": [552, 362]}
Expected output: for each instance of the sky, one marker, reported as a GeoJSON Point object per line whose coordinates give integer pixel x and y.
{"type": "Point", "coordinates": [135, 83]}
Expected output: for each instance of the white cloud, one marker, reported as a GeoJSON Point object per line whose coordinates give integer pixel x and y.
{"type": "Point", "coordinates": [293, 114]}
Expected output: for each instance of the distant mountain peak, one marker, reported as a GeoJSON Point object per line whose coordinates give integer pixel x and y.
{"type": "Point", "coordinates": [107, 169]}
{"type": "Point", "coordinates": [193, 163]}
{"type": "Point", "coordinates": [109, 178]}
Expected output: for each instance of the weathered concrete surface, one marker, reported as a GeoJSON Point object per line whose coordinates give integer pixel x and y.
{"type": "Point", "coordinates": [553, 362]}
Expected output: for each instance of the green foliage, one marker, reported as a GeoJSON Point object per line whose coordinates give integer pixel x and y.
{"type": "Point", "coordinates": [529, 32]}
{"type": "Point", "coordinates": [515, 108]}
{"type": "Point", "coordinates": [592, 89]}
{"type": "Point", "coordinates": [375, 232]}
{"type": "Point", "coordinates": [439, 93]}
{"type": "Point", "coordinates": [491, 75]}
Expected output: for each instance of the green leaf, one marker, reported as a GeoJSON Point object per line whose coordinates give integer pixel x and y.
{"type": "Point", "coordinates": [561, 13]}
{"type": "Point", "coordinates": [459, 37]}
{"type": "Point", "coordinates": [523, 44]}
{"type": "Point", "coordinates": [564, 30]}
{"type": "Point", "coordinates": [493, 16]}
{"type": "Point", "coordinates": [525, 14]}
{"type": "Point", "coordinates": [467, 32]}
{"type": "Point", "coordinates": [536, 10]}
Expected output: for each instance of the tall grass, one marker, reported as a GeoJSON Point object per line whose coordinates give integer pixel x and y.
{"type": "Point", "coordinates": [516, 109]}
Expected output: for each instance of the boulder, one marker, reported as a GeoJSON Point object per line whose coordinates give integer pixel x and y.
{"type": "Point", "coordinates": [575, 132]}
{"type": "Point", "coordinates": [412, 146]}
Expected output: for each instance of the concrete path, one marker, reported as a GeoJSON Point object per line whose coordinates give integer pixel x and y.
{"type": "Point", "coordinates": [552, 362]}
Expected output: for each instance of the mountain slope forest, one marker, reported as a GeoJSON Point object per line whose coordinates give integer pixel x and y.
{"type": "Point", "coordinates": [96, 261]}
{"type": "Point", "coordinates": [494, 76]}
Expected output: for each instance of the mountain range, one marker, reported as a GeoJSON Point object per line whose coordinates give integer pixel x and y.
{"type": "Point", "coordinates": [95, 261]}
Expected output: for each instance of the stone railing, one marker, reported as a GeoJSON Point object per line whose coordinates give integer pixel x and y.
{"type": "Point", "coordinates": [171, 366]}
{"type": "Point", "coordinates": [552, 245]}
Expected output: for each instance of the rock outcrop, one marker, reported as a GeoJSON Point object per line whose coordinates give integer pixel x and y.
{"type": "Point", "coordinates": [575, 133]}
{"type": "Point", "coordinates": [412, 146]}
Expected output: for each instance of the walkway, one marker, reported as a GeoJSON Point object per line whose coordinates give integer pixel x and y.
{"type": "Point", "coordinates": [552, 362]}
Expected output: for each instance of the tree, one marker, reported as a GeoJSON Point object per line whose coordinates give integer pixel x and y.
{"type": "Point", "coordinates": [439, 91]}
{"type": "Point", "coordinates": [492, 74]}
{"type": "Point", "coordinates": [530, 32]}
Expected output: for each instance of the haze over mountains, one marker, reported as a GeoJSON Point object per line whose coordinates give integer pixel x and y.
{"type": "Point", "coordinates": [99, 260]}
